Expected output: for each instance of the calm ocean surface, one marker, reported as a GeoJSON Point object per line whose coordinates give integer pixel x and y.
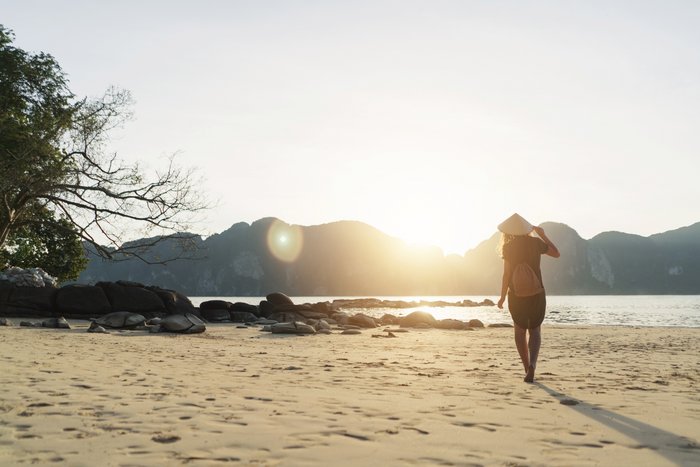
{"type": "Point", "coordinates": [607, 310]}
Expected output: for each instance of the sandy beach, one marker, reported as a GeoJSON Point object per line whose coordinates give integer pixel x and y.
{"type": "Point", "coordinates": [603, 396]}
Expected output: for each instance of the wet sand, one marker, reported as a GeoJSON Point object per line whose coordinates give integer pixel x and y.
{"type": "Point", "coordinates": [602, 396]}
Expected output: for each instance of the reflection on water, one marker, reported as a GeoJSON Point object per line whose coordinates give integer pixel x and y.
{"type": "Point", "coordinates": [617, 310]}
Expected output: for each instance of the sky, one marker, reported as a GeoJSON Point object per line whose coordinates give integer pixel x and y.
{"type": "Point", "coordinates": [430, 120]}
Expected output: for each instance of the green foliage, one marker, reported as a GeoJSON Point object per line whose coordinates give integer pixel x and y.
{"type": "Point", "coordinates": [48, 243]}
{"type": "Point", "coordinates": [58, 186]}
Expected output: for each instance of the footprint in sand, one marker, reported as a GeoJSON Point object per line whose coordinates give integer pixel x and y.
{"type": "Point", "coordinates": [165, 439]}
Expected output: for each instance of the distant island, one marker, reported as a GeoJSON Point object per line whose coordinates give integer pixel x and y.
{"type": "Point", "coordinates": [349, 258]}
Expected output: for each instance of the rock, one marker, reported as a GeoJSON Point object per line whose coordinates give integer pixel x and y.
{"type": "Point", "coordinates": [30, 324]}
{"type": "Point", "coordinates": [245, 307]}
{"type": "Point", "coordinates": [418, 318]}
{"type": "Point", "coordinates": [31, 277]}
{"type": "Point", "coordinates": [389, 319]}
{"type": "Point", "coordinates": [475, 323]}
{"type": "Point", "coordinates": [396, 330]}
{"type": "Point", "coordinates": [57, 323]}
{"type": "Point", "coordinates": [265, 321]}
{"type": "Point", "coordinates": [500, 325]}
{"type": "Point", "coordinates": [175, 302]}
{"type": "Point", "coordinates": [6, 322]}
{"type": "Point", "coordinates": [121, 320]}
{"type": "Point", "coordinates": [487, 302]}
{"type": "Point", "coordinates": [130, 283]}
{"type": "Point", "coordinates": [154, 322]}
{"type": "Point", "coordinates": [77, 300]}
{"type": "Point", "coordinates": [322, 325]}
{"type": "Point", "coordinates": [94, 327]}
{"type": "Point", "coordinates": [5, 290]}
{"type": "Point", "coordinates": [569, 402]}
{"type": "Point", "coordinates": [34, 301]}
{"type": "Point", "coordinates": [351, 332]}
{"type": "Point", "coordinates": [132, 298]}
{"type": "Point", "coordinates": [216, 315]}
{"type": "Point", "coordinates": [295, 327]}
{"type": "Point", "coordinates": [266, 308]}
{"type": "Point", "coordinates": [321, 307]}
{"type": "Point", "coordinates": [185, 324]}
{"type": "Point", "coordinates": [286, 317]}
{"type": "Point", "coordinates": [242, 317]}
{"type": "Point", "coordinates": [362, 320]}
{"type": "Point", "coordinates": [340, 317]}
{"type": "Point", "coordinates": [324, 331]}
{"type": "Point", "coordinates": [304, 310]}
{"type": "Point", "coordinates": [451, 324]}
{"type": "Point", "coordinates": [388, 334]}
{"type": "Point", "coordinates": [278, 298]}
{"type": "Point", "coordinates": [215, 305]}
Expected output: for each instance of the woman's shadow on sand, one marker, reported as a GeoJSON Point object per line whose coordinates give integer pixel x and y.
{"type": "Point", "coordinates": [677, 449]}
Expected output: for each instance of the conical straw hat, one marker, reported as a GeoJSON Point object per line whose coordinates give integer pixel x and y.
{"type": "Point", "coordinates": [515, 225]}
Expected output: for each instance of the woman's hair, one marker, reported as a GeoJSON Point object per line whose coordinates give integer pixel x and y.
{"type": "Point", "coordinates": [505, 240]}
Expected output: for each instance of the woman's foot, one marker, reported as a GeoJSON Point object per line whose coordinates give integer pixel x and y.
{"type": "Point", "coordinates": [530, 376]}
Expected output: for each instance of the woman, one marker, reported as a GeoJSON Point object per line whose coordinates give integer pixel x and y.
{"type": "Point", "coordinates": [518, 247]}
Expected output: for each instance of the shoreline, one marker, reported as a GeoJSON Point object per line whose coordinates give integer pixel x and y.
{"type": "Point", "coordinates": [603, 395]}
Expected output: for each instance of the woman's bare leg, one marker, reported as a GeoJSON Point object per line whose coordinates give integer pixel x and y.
{"type": "Point", "coordinates": [533, 345]}
{"type": "Point", "coordinates": [521, 345]}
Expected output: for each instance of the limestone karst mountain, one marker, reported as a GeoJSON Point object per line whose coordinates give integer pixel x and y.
{"type": "Point", "coordinates": [351, 258]}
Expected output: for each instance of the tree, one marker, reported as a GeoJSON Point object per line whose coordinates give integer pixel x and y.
{"type": "Point", "coordinates": [57, 251]}
{"type": "Point", "coordinates": [55, 171]}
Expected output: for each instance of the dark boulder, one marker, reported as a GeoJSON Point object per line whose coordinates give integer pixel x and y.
{"type": "Point", "coordinates": [242, 317]}
{"type": "Point", "coordinates": [266, 308]}
{"type": "Point", "coordinates": [121, 320]}
{"type": "Point", "coordinates": [247, 307]}
{"type": "Point", "coordinates": [295, 327]}
{"type": "Point", "coordinates": [475, 323]}
{"type": "Point", "coordinates": [38, 301]}
{"type": "Point", "coordinates": [5, 291]}
{"type": "Point", "coordinates": [304, 310]}
{"type": "Point", "coordinates": [132, 298]}
{"type": "Point", "coordinates": [30, 324]}
{"type": "Point", "coordinates": [175, 302]}
{"type": "Point", "coordinates": [322, 307]}
{"type": "Point", "coordinates": [214, 315]}
{"type": "Point", "coordinates": [215, 305]}
{"type": "Point", "coordinates": [130, 284]}
{"type": "Point", "coordinates": [500, 325]}
{"type": "Point", "coordinates": [362, 321]}
{"type": "Point", "coordinates": [80, 301]}
{"type": "Point", "coordinates": [450, 324]}
{"type": "Point", "coordinates": [286, 316]}
{"type": "Point", "coordinates": [418, 319]}
{"type": "Point", "coordinates": [389, 319]}
{"type": "Point", "coordinates": [56, 323]}
{"type": "Point", "coordinates": [278, 298]}
{"type": "Point", "coordinates": [184, 324]}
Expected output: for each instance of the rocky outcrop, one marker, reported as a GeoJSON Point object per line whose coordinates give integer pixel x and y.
{"type": "Point", "coordinates": [30, 277]}
{"type": "Point", "coordinates": [82, 300]}
{"type": "Point", "coordinates": [87, 301]}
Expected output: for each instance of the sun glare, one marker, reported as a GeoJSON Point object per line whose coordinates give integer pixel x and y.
{"type": "Point", "coordinates": [284, 241]}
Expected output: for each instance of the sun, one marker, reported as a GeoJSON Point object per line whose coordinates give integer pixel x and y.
{"type": "Point", "coordinates": [284, 241]}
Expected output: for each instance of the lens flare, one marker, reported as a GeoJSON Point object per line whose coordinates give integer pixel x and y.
{"type": "Point", "coordinates": [285, 242]}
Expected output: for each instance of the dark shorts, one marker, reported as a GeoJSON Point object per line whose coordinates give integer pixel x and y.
{"type": "Point", "coordinates": [527, 312]}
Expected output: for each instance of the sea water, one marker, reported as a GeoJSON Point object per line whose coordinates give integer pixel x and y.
{"type": "Point", "coordinates": [605, 310]}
